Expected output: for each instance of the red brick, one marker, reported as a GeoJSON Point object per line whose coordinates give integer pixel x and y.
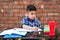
{"type": "Point", "coordinates": [50, 18]}
{"type": "Point", "coordinates": [2, 28]}
{"type": "Point", "coordinates": [21, 2]}
{"type": "Point", "coordinates": [39, 10]}
{"type": "Point", "coordinates": [7, 0]}
{"type": "Point", "coordinates": [1, 14]}
{"type": "Point", "coordinates": [18, 6]}
{"type": "Point", "coordinates": [20, 18]}
{"type": "Point", "coordinates": [7, 22]}
{"type": "Point", "coordinates": [43, 22]}
{"type": "Point", "coordinates": [39, 14]}
{"type": "Point", "coordinates": [5, 10]}
{"type": "Point", "coordinates": [50, 14]}
{"type": "Point", "coordinates": [51, 6]}
{"type": "Point", "coordinates": [27, 0]}
{"type": "Point", "coordinates": [1, 6]}
{"type": "Point", "coordinates": [36, 3]}
{"type": "Point", "coordinates": [22, 15]}
{"type": "Point", "coordinates": [18, 21]}
{"type": "Point", "coordinates": [12, 14]}
{"type": "Point", "coordinates": [48, 10]}
{"type": "Point", "coordinates": [56, 18]}
{"type": "Point", "coordinates": [12, 18]}
{"type": "Point", "coordinates": [57, 10]}
{"type": "Point", "coordinates": [22, 10]}
{"type": "Point", "coordinates": [17, 2]}
{"type": "Point", "coordinates": [1, 25]}
{"type": "Point", "coordinates": [16, 25]}
{"type": "Point", "coordinates": [5, 14]}
{"type": "Point", "coordinates": [5, 25]}
{"type": "Point", "coordinates": [11, 25]}
{"type": "Point", "coordinates": [1, 21]}
{"type": "Point", "coordinates": [38, 6]}
{"type": "Point", "coordinates": [16, 14]}
{"type": "Point", "coordinates": [56, 14]}
{"type": "Point", "coordinates": [48, 3]}
{"type": "Point", "coordinates": [1, 10]}
{"type": "Point", "coordinates": [5, 3]}
{"type": "Point", "coordinates": [26, 3]}
{"type": "Point", "coordinates": [5, 7]}
{"type": "Point", "coordinates": [43, 18]}
{"type": "Point", "coordinates": [4, 18]}
{"type": "Point", "coordinates": [14, 10]}
{"type": "Point", "coordinates": [58, 2]}
{"type": "Point", "coordinates": [44, 14]}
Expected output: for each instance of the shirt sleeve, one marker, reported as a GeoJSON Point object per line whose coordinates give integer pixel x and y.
{"type": "Point", "coordinates": [38, 24]}
{"type": "Point", "coordinates": [24, 21]}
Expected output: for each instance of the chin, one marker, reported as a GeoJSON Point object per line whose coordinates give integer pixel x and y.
{"type": "Point", "coordinates": [32, 18]}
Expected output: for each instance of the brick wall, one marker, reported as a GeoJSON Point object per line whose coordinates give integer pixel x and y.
{"type": "Point", "coordinates": [12, 11]}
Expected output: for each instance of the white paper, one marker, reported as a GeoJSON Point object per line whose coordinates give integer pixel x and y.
{"type": "Point", "coordinates": [39, 29]}
{"type": "Point", "coordinates": [26, 30]}
{"type": "Point", "coordinates": [13, 31]}
{"type": "Point", "coordinates": [18, 31]}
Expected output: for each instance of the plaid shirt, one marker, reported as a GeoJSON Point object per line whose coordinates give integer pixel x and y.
{"type": "Point", "coordinates": [27, 21]}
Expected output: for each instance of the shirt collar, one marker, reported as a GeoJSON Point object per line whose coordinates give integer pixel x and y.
{"type": "Point", "coordinates": [30, 19]}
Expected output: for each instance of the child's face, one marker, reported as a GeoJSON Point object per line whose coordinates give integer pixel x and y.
{"type": "Point", "coordinates": [32, 14]}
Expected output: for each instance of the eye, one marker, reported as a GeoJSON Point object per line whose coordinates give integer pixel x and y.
{"type": "Point", "coordinates": [33, 13]}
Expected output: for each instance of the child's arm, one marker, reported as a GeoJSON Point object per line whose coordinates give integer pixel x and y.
{"type": "Point", "coordinates": [30, 28]}
{"type": "Point", "coordinates": [25, 25]}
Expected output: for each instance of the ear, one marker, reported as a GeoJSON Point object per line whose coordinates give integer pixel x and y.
{"type": "Point", "coordinates": [26, 14]}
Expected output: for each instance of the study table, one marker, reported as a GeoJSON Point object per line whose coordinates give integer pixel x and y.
{"type": "Point", "coordinates": [30, 36]}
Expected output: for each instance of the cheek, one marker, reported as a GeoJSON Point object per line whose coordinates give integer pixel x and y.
{"type": "Point", "coordinates": [30, 16]}
{"type": "Point", "coordinates": [34, 15]}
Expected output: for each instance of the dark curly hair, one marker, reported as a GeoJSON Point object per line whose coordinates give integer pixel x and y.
{"type": "Point", "coordinates": [31, 8]}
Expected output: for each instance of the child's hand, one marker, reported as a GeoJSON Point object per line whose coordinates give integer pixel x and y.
{"type": "Point", "coordinates": [35, 28]}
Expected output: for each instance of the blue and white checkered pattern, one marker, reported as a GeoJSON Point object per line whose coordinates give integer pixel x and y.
{"type": "Point", "coordinates": [32, 23]}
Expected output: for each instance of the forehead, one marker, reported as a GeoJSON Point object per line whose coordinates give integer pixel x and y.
{"type": "Point", "coordinates": [32, 12]}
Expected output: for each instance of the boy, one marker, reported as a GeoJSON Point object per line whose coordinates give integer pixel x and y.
{"type": "Point", "coordinates": [29, 21]}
